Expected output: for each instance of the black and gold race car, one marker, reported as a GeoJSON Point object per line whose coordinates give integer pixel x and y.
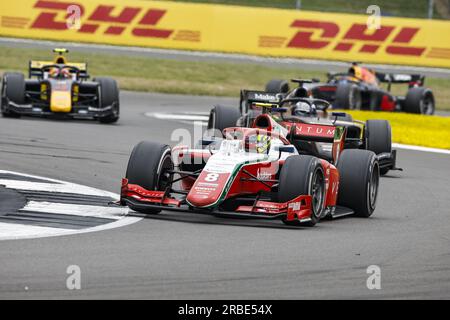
{"type": "Point", "coordinates": [60, 89]}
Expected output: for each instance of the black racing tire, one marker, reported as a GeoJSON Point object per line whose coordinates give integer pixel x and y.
{"type": "Point", "coordinates": [348, 96]}
{"type": "Point", "coordinates": [379, 138]}
{"type": "Point", "coordinates": [419, 100]}
{"type": "Point", "coordinates": [277, 86]}
{"type": "Point", "coordinates": [108, 95]}
{"type": "Point", "coordinates": [303, 175]}
{"type": "Point", "coordinates": [13, 89]}
{"type": "Point", "coordinates": [221, 117]}
{"type": "Point", "coordinates": [359, 181]}
{"type": "Point", "coordinates": [375, 100]}
{"type": "Point", "coordinates": [147, 168]}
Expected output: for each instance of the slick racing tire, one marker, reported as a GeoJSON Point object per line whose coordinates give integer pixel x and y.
{"type": "Point", "coordinates": [359, 181]}
{"type": "Point", "coordinates": [13, 89]}
{"type": "Point", "coordinates": [303, 175]}
{"type": "Point", "coordinates": [378, 138]}
{"type": "Point", "coordinates": [348, 96]}
{"type": "Point", "coordinates": [277, 86]}
{"type": "Point", "coordinates": [109, 96]}
{"type": "Point", "coordinates": [419, 100]}
{"type": "Point", "coordinates": [221, 117]}
{"type": "Point", "coordinates": [148, 167]}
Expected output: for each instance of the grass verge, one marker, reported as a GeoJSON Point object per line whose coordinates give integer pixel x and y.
{"type": "Point", "coordinates": [426, 131]}
{"type": "Point", "coordinates": [226, 79]}
{"type": "Point", "coordinates": [188, 77]}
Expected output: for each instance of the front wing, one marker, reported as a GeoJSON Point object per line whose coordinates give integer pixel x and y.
{"type": "Point", "coordinates": [79, 111]}
{"type": "Point", "coordinates": [141, 199]}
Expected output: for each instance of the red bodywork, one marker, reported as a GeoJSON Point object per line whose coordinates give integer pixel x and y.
{"type": "Point", "coordinates": [249, 181]}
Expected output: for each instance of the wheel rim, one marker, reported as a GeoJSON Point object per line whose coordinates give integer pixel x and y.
{"type": "Point", "coordinates": [317, 193]}
{"type": "Point", "coordinates": [373, 188]}
{"type": "Point", "coordinates": [427, 106]}
{"type": "Point", "coordinates": [212, 120]}
{"type": "Point", "coordinates": [165, 177]}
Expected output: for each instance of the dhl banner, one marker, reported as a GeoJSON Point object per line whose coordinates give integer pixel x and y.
{"type": "Point", "coordinates": [259, 31]}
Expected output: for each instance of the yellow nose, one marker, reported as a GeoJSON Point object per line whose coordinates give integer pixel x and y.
{"type": "Point", "coordinates": [61, 101]}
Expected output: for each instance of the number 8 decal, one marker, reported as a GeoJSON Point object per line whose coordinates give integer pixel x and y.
{"type": "Point", "coordinates": [212, 177]}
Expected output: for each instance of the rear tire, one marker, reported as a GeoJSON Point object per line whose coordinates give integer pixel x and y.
{"type": "Point", "coordinates": [221, 117]}
{"type": "Point", "coordinates": [379, 138]}
{"type": "Point", "coordinates": [147, 167]}
{"type": "Point", "coordinates": [109, 95]}
{"type": "Point", "coordinates": [13, 89]}
{"type": "Point", "coordinates": [348, 96]}
{"type": "Point", "coordinates": [277, 86]}
{"type": "Point", "coordinates": [359, 181]}
{"type": "Point", "coordinates": [303, 175]}
{"type": "Point", "coordinates": [419, 100]}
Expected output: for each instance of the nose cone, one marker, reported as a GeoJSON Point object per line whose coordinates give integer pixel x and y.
{"type": "Point", "coordinates": [207, 189]}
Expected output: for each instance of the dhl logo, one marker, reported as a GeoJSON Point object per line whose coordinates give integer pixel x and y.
{"type": "Point", "coordinates": [50, 19]}
{"type": "Point", "coordinates": [326, 32]}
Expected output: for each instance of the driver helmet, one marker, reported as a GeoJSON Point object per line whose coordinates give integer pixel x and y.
{"type": "Point", "coordinates": [259, 143]}
{"type": "Point", "coordinates": [304, 109]}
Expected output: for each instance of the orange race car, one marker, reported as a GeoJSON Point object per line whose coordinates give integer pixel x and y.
{"type": "Point", "coordinates": [360, 88]}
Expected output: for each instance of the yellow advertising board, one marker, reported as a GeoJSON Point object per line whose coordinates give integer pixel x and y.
{"type": "Point", "coordinates": [258, 31]}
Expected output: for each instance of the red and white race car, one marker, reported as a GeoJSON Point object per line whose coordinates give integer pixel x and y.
{"type": "Point", "coordinates": [255, 173]}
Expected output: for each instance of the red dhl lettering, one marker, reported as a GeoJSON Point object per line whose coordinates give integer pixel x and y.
{"type": "Point", "coordinates": [357, 33]}
{"type": "Point", "coordinates": [102, 14]}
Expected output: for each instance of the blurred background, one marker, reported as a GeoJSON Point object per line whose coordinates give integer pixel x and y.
{"type": "Point", "coordinates": [434, 9]}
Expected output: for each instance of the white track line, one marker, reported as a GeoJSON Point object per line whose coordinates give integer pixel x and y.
{"type": "Point", "coordinates": [51, 187]}
{"type": "Point", "coordinates": [13, 231]}
{"type": "Point", "coordinates": [75, 209]}
{"type": "Point", "coordinates": [177, 117]}
{"type": "Point", "coordinates": [419, 148]}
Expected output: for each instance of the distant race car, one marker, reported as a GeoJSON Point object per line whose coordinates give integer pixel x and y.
{"type": "Point", "coordinates": [255, 173]}
{"type": "Point", "coordinates": [373, 135]}
{"type": "Point", "coordinates": [59, 88]}
{"type": "Point", "coordinates": [360, 89]}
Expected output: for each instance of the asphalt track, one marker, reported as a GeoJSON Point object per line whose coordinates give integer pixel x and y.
{"type": "Point", "coordinates": [188, 256]}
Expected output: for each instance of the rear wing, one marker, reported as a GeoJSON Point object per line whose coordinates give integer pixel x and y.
{"type": "Point", "coordinates": [411, 79]}
{"type": "Point", "coordinates": [249, 97]}
{"type": "Point", "coordinates": [35, 68]}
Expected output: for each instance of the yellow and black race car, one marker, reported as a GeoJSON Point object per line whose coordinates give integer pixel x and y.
{"type": "Point", "coordinates": [59, 88]}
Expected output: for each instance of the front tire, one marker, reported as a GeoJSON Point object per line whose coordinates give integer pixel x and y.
{"type": "Point", "coordinates": [13, 89]}
{"type": "Point", "coordinates": [303, 175]}
{"type": "Point", "coordinates": [109, 96]}
{"type": "Point", "coordinates": [379, 138]}
{"type": "Point", "coordinates": [359, 181]}
{"type": "Point", "coordinates": [148, 167]}
{"type": "Point", "coordinates": [221, 117]}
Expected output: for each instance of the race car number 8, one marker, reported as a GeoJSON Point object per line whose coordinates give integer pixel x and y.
{"type": "Point", "coordinates": [210, 177]}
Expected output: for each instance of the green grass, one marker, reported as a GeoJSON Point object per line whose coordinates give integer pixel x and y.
{"type": "Point", "coordinates": [401, 8]}
{"type": "Point", "coordinates": [187, 77]}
